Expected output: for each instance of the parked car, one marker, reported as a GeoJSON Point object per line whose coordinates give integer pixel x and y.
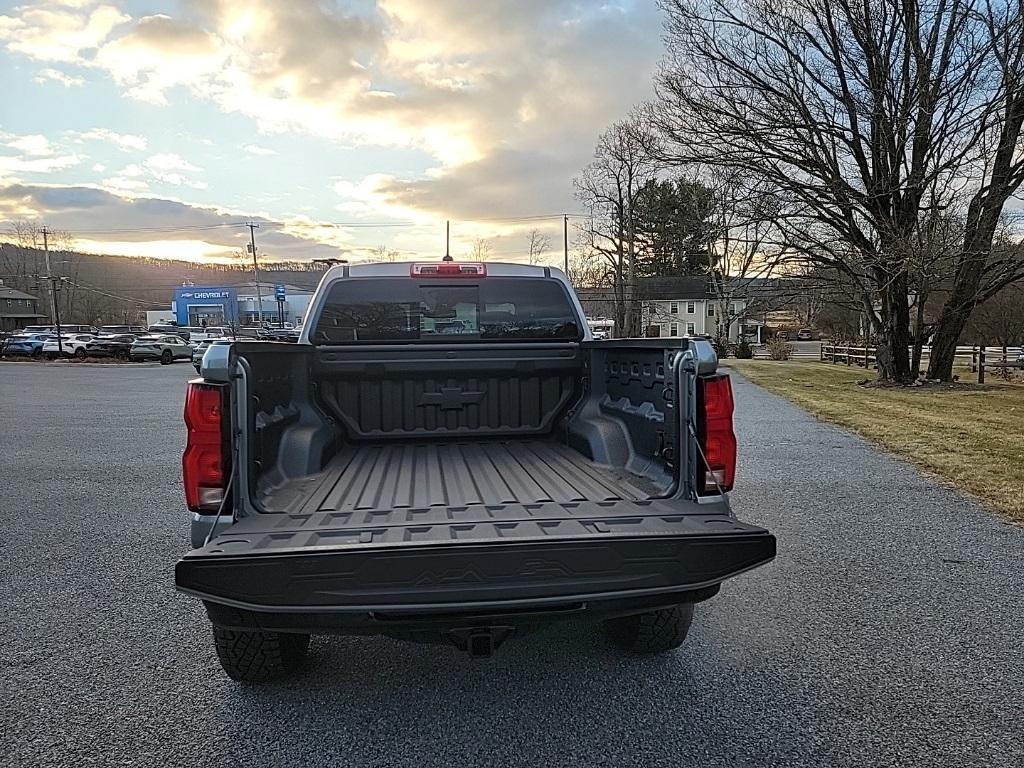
{"type": "Point", "coordinates": [782, 335]}
{"type": "Point", "coordinates": [210, 332]}
{"type": "Point", "coordinates": [805, 334]}
{"type": "Point", "coordinates": [28, 344]}
{"type": "Point", "coordinates": [115, 345]}
{"type": "Point", "coordinates": [71, 328]}
{"type": "Point", "coordinates": [166, 349]}
{"type": "Point", "coordinates": [168, 329]}
{"type": "Point", "coordinates": [278, 334]}
{"type": "Point", "coordinates": [70, 345]}
{"type": "Point", "coordinates": [384, 478]}
{"type": "Point", "coordinates": [111, 330]}
{"type": "Point", "coordinates": [200, 349]}
{"type": "Point", "coordinates": [39, 329]}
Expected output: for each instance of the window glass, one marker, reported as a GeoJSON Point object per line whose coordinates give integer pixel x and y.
{"type": "Point", "coordinates": [375, 310]}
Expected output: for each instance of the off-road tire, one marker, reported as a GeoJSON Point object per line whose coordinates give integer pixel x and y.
{"type": "Point", "coordinates": [167, 357]}
{"type": "Point", "coordinates": [256, 657]}
{"type": "Point", "coordinates": [652, 632]}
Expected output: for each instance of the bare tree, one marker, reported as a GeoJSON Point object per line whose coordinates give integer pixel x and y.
{"type": "Point", "coordinates": [625, 159]}
{"type": "Point", "coordinates": [538, 243]}
{"type": "Point", "coordinates": [481, 250]}
{"type": "Point", "coordinates": [861, 116]}
{"type": "Point", "coordinates": [384, 254]}
{"type": "Point", "coordinates": [587, 269]}
{"type": "Point", "coordinates": [24, 265]}
{"type": "Point", "coordinates": [996, 174]}
{"type": "Point", "coordinates": [741, 248]}
{"type": "Point", "coordinates": [1000, 320]}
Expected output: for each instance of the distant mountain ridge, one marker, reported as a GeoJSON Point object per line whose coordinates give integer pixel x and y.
{"type": "Point", "coordinates": [100, 288]}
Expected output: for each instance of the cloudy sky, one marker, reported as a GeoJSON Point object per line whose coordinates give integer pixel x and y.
{"type": "Point", "coordinates": [154, 128]}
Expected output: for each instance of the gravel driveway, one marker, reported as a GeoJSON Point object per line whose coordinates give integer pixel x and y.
{"type": "Point", "coordinates": [889, 631]}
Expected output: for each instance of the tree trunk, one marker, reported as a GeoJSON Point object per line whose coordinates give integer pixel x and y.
{"type": "Point", "coordinates": [893, 355]}
{"type": "Point", "coordinates": [915, 357]}
{"type": "Point", "coordinates": [620, 302]}
{"type": "Point", "coordinates": [947, 333]}
{"type": "Point", "coordinates": [632, 324]}
{"type": "Point", "coordinates": [960, 303]}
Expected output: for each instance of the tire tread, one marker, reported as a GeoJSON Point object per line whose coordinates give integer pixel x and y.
{"type": "Point", "coordinates": [256, 657]}
{"type": "Point", "coordinates": [654, 631]}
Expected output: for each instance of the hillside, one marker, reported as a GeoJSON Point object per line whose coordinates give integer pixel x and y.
{"type": "Point", "coordinates": [109, 289]}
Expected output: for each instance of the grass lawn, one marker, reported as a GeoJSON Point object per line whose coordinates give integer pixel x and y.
{"type": "Point", "coordinates": [971, 437]}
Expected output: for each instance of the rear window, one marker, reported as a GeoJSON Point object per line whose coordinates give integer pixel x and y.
{"type": "Point", "coordinates": [381, 310]}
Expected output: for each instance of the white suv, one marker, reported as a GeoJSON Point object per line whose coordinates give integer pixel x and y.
{"type": "Point", "coordinates": [73, 345]}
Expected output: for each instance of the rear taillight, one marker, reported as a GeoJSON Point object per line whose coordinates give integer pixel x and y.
{"type": "Point", "coordinates": [204, 464]}
{"type": "Point", "coordinates": [717, 440]}
{"type": "Point", "coordinates": [448, 269]}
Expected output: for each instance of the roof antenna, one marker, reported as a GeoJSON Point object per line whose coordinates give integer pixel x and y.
{"type": "Point", "coordinates": [447, 233]}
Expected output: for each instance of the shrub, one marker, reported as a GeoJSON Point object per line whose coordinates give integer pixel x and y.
{"type": "Point", "coordinates": [743, 350]}
{"type": "Point", "coordinates": [721, 344]}
{"type": "Point", "coordinates": [779, 349]}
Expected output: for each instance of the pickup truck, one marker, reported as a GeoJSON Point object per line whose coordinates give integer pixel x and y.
{"type": "Point", "coordinates": [448, 455]}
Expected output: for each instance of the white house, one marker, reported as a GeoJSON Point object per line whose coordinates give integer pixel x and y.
{"type": "Point", "coordinates": [687, 306]}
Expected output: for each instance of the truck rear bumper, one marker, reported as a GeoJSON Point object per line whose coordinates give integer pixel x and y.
{"type": "Point", "coordinates": [271, 566]}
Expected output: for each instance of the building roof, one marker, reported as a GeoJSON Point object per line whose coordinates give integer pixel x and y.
{"type": "Point", "coordinates": [6, 292]}
{"type": "Point", "coordinates": [697, 287]}
{"type": "Point", "coordinates": [687, 287]}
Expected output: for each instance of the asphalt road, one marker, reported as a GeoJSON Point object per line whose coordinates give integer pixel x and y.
{"type": "Point", "coordinates": [888, 632]}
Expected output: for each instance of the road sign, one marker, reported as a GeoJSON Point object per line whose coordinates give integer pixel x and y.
{"type": "Point", "coordinates": [279, 293]}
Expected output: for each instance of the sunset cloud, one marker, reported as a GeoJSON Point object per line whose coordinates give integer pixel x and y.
{"type": "Point", "coordinates": [466, 109]}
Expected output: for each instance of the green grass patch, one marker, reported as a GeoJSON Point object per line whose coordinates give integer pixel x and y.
{"type": "Point", "coordinates": [968, 435]}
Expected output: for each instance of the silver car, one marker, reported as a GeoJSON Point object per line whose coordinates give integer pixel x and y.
{"type": "Point", "coordinates": [166, 349]}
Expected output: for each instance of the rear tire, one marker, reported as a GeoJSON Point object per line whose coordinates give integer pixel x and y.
{"type": "Point", "coordinates": [256, 657]}
{"type": "Point", "coordinates": [167, 357]}
{"type": "Point", "coordinates": [80, 353]}
{"type": "Point", "coordinates": [652, 632]}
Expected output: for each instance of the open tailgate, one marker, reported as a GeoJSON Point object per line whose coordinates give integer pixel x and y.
{"type": "Point", "coordinates": [444, 558]}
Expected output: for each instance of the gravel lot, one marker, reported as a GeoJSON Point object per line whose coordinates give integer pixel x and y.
{"type": "Point", "coordinates": [888, 632]}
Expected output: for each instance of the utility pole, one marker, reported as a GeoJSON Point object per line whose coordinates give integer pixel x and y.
{"type": "Point", "coordinates": [52, 281]}
{"type": "Point", "coordinates": [565, 241]}
{"type": "Point", "coordinates": [49, 272]}
{"type": "Point", "coordinates": [256, 271]}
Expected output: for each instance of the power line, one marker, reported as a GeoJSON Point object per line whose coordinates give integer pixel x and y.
{"type": "Point", "coordinates": [171, 230]}
{"type": "Point", "coordinates": [278, 225]}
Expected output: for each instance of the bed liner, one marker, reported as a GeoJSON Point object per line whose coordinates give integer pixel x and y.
{"type": "Point", "coordinates": [463, 473]}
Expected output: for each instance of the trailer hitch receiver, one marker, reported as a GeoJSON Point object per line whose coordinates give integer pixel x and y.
{"type": "Point", "coordinates": [479, 642]}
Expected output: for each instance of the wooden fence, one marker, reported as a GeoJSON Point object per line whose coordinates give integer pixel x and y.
{"type": "Point", "coordinates": [848, 355]}
{"type": "Point", "coordinates": [978, 357]}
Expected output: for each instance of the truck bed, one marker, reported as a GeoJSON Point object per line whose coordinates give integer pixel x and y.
{"type": "Point", "coordinates": [439, 525]}
{"type": "Point", "coordinates": [403, 476]}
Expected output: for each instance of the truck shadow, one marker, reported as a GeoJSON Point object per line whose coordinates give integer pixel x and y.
{"type": "Point", "coordinates": [561, 695]}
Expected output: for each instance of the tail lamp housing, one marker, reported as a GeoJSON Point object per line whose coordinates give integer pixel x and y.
{"type": "Point", "coordinates": [715, 433]}
{"type": "Point", "coordinates": [205, 463]}
{"type": "Point", "coordinates": [449, 269]}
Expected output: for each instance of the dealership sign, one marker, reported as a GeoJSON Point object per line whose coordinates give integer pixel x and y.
{"type": "Point", "coordinates": [191, 301]}
{"type": "Point", "coordinates": [205, 295]}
